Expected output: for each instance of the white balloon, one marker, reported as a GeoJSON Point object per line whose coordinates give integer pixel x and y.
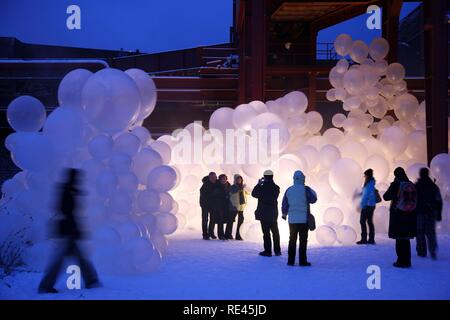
{"type": "Point", "coordinates": [379, 48]}
{"type": "Point", "coordinates": [26, 113]}
{"type": "Point", "coordinates": [329, 154]}
{"type": "Point", "coordinates": [314, 122]}
{"type": "Point", "coordinates": [339, 177]}
{"type": "Point", "coordinates": [359, 51]}
{"type": "Point", "coordinates": [100, 147]}
{"type": "Point", "coordinates": [406, 107]}
{"type": "Point", "coordinates": [343, 44]}
{"type": "Point", "coordinates": [144, 162]}
{"type": "Point", "coordinates": [127, 143]}
{"type": "Point", "coordinates": [162, 178]}
{"type": "Point", "coordinates": [440, 166]}
{"type": "Point", "coordinates": [395, 72]}
{"type": "Point", "coordinates": [394, 140]}
{"type": "Point", "coordinates": [338, 120]}
{"type": "Point", "coordinates": [346, 235]}
{"type": "Point", "coordinates": [166, 222]}
{"type": "Point", "coordinates": [333, 217]}
{"type": "Point", "coordinates": [147, 91]}
{"type": "Point", "coordinates": [243, 116]}
{"type": "Point", "coordinates": [148, 200]}
{"type": "Point", "coordinates": [326, 236]}
{"type": "Point", "coordinates": [379, 165]}
{"type": "Point", "coordinates": [111, 100]}
{"type": "Point", "coordinates": [260, 107]}
{"type": "Point", "coordinates": [71, 86]}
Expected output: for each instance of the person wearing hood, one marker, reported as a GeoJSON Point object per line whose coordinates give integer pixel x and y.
{"type": "Point", "coordinates": [238, 198]}
{"type": "Point", "coordinates": [368, 203]}
{"type": "Point", "coordinates": [402, 218]}
{"type": "Point", "coordinates": [221, 198]}
{"type": "Point", "coordinates": [295, 206]}
{"type": "Point", "coordinates": [207, 205]}
{"type": "Point", "coordinates": [267, 192]}
{"type": "Point", "coordinates": [429, 210]}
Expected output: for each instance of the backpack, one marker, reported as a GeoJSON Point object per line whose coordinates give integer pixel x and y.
{"type": "Point", "coordinates": [407, 197]}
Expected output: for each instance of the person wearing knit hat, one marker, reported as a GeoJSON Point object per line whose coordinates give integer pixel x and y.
{"type": "Point", "coordinates": [267, 192]}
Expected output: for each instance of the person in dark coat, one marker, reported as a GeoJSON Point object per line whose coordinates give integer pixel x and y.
{"type": "Point", "coordinates": [402, 224]}
{"type": "Point", "coordinates": [69, 232]}
{"type": "Point", "coordinates": [221, 209]}
{"type": "Point", "coordinates": [429, 210]}
{"type": "Point", "coordinates": [206, 204]}
{"type": "Point", "coordinates": [267, 192]}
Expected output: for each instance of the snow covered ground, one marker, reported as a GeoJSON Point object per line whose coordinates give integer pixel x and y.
{"type": "Point", "coordinates": [197, 269]}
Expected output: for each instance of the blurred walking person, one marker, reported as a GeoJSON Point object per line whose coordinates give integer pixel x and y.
{"type": "Point", "coordinates": [402, 217]}
{"type": "Point", "coordinates": [238, 198]}
{"type": "Point", "coordinates": [429, 210]}
{"type": "Point", "coordinates": [206, 204]}
{"type": "Point", "coordinates": [69, 233]}
{"type": "Point", "coordinates": [368, 203]}
{"type": "Point", "coordinates": [295, 206]}
{"type": "Point", "coordinates": [267, 192]}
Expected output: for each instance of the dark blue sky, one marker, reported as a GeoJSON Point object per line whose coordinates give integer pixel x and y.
{"type": "Point", "coordinates": [148, 25]}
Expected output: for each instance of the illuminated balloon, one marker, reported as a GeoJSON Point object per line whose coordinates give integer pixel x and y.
{"type": "Point", "coordinates": [26, 113]}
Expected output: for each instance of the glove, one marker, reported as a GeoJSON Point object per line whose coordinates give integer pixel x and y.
{"type": "Point", "coordinates": [283, 217]}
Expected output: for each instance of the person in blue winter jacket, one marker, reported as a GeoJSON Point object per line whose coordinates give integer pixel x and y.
{"type": "Point", "coordinates": [368, 203]}
{"type": "Point", "coordinates": [295, 206]}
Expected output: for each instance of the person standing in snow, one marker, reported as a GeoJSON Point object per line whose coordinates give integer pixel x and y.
{"type": "Point", "coordinates": [295, 205]}
{"type": "Point", "coordinates": [429, 210]}
{"type": "Point", "coordinates": [221, 199]}
{"type": "Point", "coordinates": [267, 192]}
{"type": "Point", "coordinates": [368, 203]}
{"type": "Point", "coordinates": [206, 204]}
{"type": "Point", "coordinates": [402, 217]}
{"type": "Point", "coordinates": [69, 233]}
{"type": "Point", "coordinates": [238, 198]}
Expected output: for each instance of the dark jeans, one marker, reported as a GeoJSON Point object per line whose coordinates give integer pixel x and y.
{"type": "Point", "coordinates": [230, 221]}
{"type": "Point", "coordinates": [69, 248]}
{"type": "Point", "coordinates": [267, 227]}
{"type": "Point", "coordinates": [403, 249]}
{"type": "Point", "coordinates": [426, 234]}
{"type": "Point", "coordinates": [299, 230]}
{"type": "Point", "coordinates": [207, 226]}
{"type": "Point", "coordinates": [367, 217]}
{"type": "Point", "coordinates": [239, 223]}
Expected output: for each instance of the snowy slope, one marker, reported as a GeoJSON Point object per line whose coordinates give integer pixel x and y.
{"type": "Point", "coordinates": [197, 269]}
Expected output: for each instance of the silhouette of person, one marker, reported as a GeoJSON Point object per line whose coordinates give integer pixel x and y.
{"type": "Point", "coordinates": [69, 233]}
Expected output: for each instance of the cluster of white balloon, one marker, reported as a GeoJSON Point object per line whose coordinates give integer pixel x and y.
{"type": "Point", "coordinates": [97, 128]}
{"type": "Point", "coordinates": [367, 137]}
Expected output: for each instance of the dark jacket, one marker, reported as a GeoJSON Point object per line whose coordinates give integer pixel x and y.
{"type": "Point", "coordinates": [402, 225]}
{"type": "Point", "coordinates": [221, 203]}
{"type": "Point", "coordinates": [67, 209]}
{"type": "Point", "coordinates": [206, 192]}
{"type": "Point", "coordinates": [429, 200]}
{"type": "Point", "coordinates": [267, 195]}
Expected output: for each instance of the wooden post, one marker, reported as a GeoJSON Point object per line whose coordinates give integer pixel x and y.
{"type": "Point", "coordinates": [436, 78]}
{"type": "Point", "coordinates": [258, 50]}
{"type": "Point", "coordinates": [312, 94]}
{"type": "Point", "coordinates": [390, 16]}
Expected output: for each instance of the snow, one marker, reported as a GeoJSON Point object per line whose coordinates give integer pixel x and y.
{"type": "Point", "coordinates": [198, 269]}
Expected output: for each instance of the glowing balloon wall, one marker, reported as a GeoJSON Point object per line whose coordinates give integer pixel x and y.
{"type": "Point", "coordinates": [138, 192]}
